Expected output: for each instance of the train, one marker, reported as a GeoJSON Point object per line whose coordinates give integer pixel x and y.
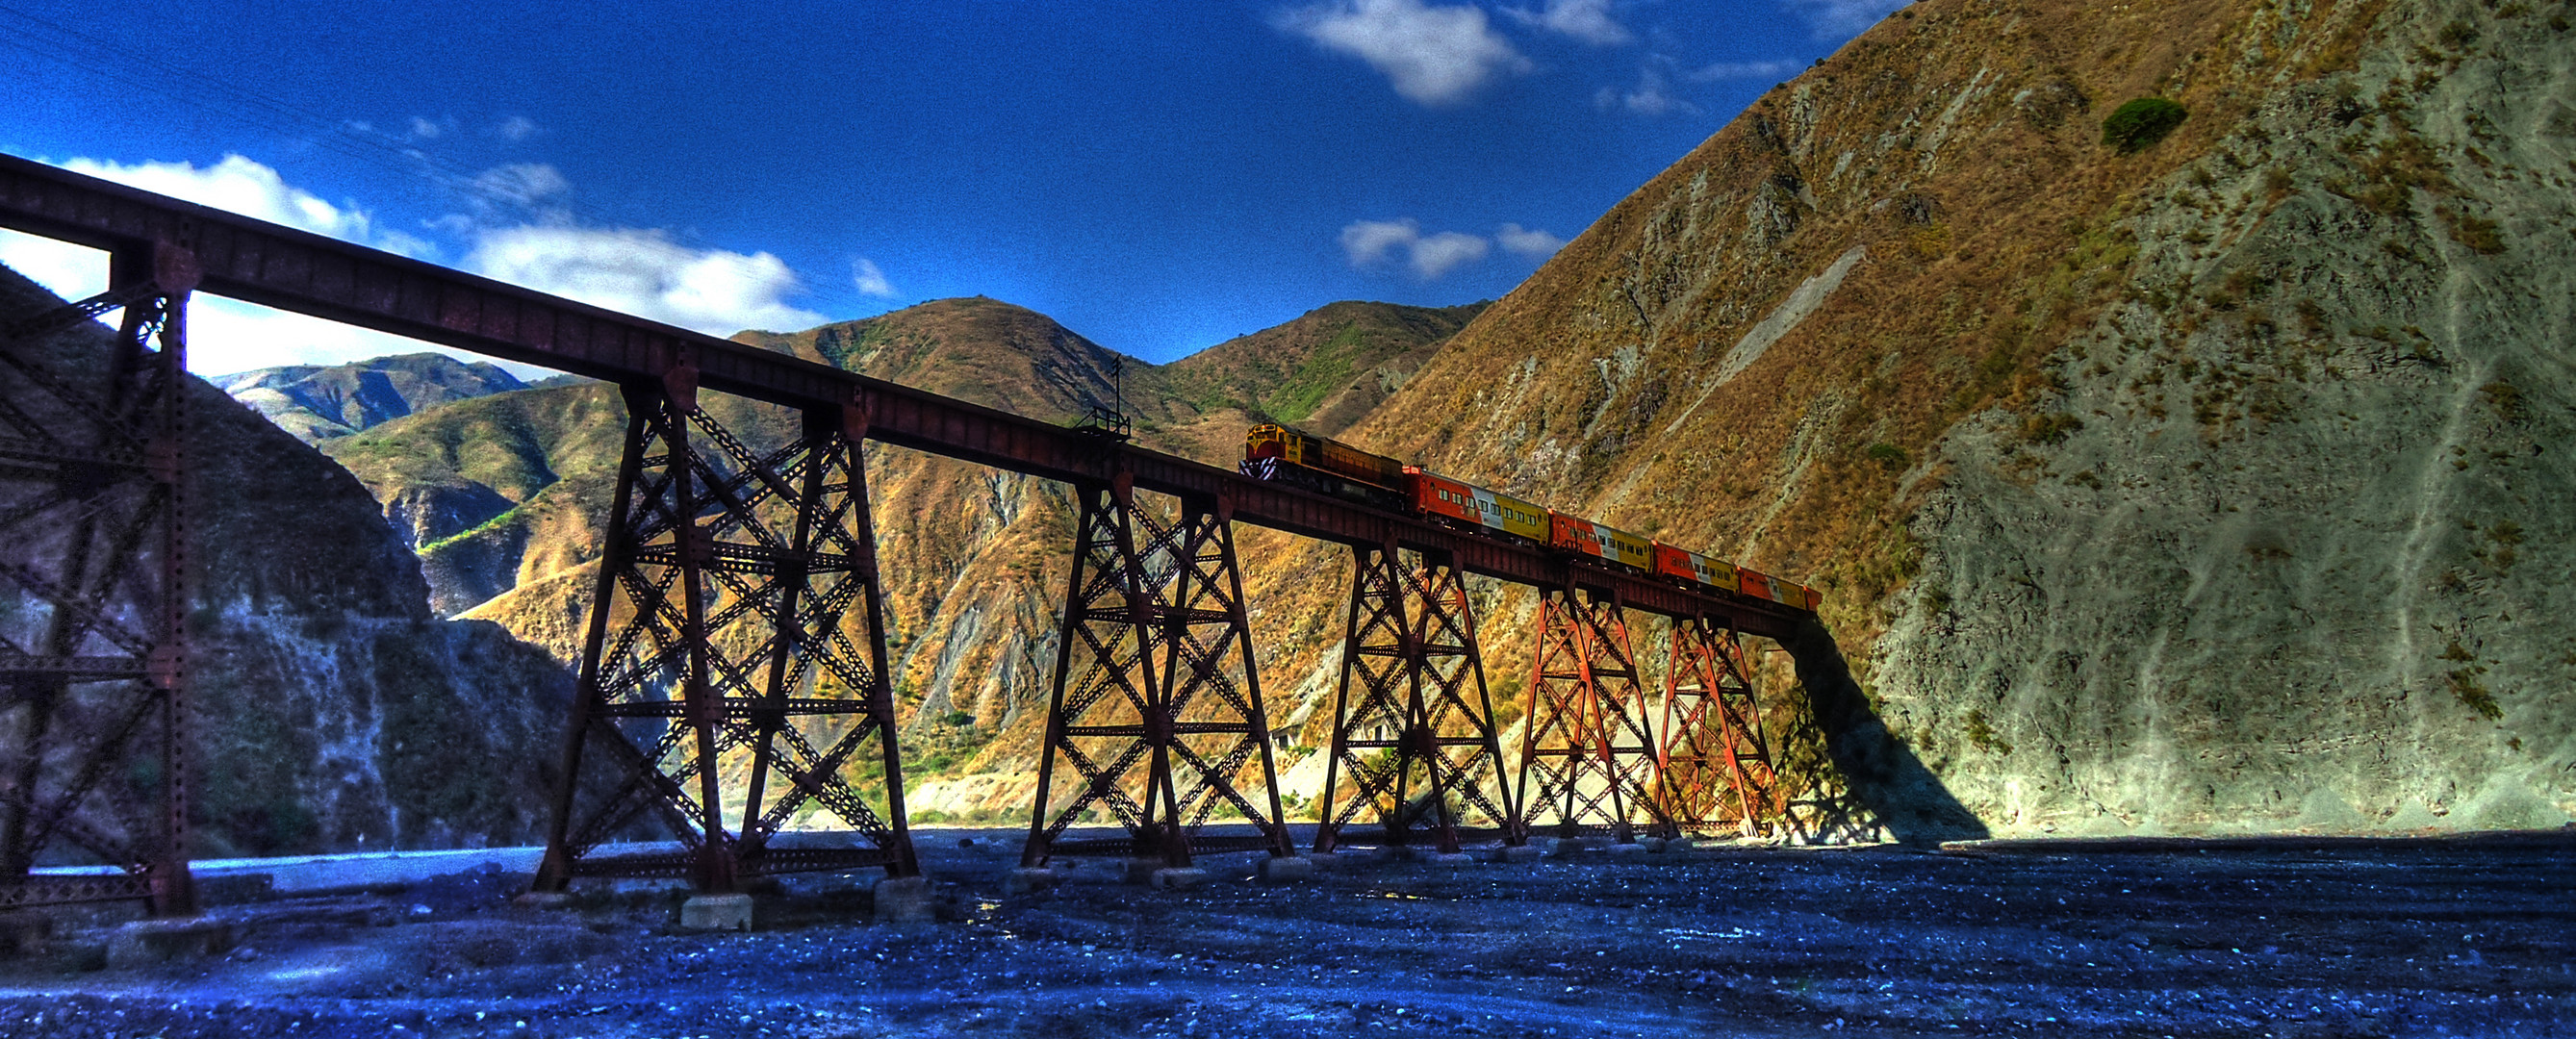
{"type": "Point", "coordinates": [1278, 453]}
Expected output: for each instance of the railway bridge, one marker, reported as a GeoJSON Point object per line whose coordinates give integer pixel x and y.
{"type": "Point", "coordinates": [733, 676]}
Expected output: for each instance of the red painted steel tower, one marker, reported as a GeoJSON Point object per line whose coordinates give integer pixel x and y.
{"type": "Point", "coordinates": [1587, 758]}
{"type": "Point", "coordinates": [1714, 765]}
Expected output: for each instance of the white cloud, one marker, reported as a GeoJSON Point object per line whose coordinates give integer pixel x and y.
{"type": "Point", "coordinates": [870, 280]}
{"type": "Point", "coordinates": [424, 129]}
{"type": "Point", "coordinates": [640, 272]}
{"type": "Point", "coordinates": [1845, 17]}
{"type": "Point", "coordinates": [1742, 70]}
{"type": "Point", "coordinates": [1368, 241]}
{"type": "Point", "coordinates": [1441, 253]}
{"type": "Point", "coordinates": [1585, 20]}
{"type": "Point", "coordinates": [224, 335]}
{"type": "Point", "coordinates": [1372, 243]}
{"type": "Point", "coordinates": [1434, 55]}
{"type": "Point", "coordinates": [70, 271]}
{"type": "Point", "coordinates": [517, 128]}
{"type": "Point", "coordinates": [645, 273]}
{"type": "Point", "coordinates": [1530, 242]}
{"type": "Point", "coordinates": [535, 189]}
{"type": "Point", "coordinates": [238, 185]}
{"type": "Point", "coordinates": [227, 336]}
{"type": "Point", "coordinates": [1651, 97]}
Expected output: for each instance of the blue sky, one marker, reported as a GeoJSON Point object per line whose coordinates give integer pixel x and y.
{"type": "Point", "coordinates": [1157, 176]}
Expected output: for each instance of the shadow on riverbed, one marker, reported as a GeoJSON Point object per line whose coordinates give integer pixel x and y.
{"type": "Point", "coordinates": [1881, 772]}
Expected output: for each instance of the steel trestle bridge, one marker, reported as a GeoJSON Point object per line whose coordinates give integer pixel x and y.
{"type": "Point", "coordinates": [733, 677]}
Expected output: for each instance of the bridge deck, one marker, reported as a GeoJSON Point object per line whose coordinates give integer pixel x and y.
{"type": "Point", "coordinates": [293, 270]}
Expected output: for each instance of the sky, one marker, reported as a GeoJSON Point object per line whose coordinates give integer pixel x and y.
{"type": "Point", "coordinates": [1158, 177]}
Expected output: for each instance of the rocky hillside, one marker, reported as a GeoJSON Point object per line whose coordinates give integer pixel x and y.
{"type": "Point", "coordinates": [336, 713]}
{"type": "Point", "coordinates": [2198, 483]}
{"type": "Point", "coordinates": [1323, 371]}
{"type": "Point", "coordinates": [315, 402]}
{"type": "Point", "coordinates": [503, 496]}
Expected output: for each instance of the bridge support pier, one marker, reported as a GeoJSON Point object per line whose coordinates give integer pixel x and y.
{"type": "Point", "coordinates": [1413, 700]}
{"type": "Point", "coordinates": [1156, 711]}
{"type": "Point", "coordinates": [94, 547]}
{"type": "Point", "coordinates": [1714, 764]}
{"type": "Point", "coordinates": [1587, 758]}
{"type": "Point", "coordinates": [733, 677]}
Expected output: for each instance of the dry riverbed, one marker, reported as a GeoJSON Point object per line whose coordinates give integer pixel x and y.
{"type": "Point", "coordinates": [2464, 936]}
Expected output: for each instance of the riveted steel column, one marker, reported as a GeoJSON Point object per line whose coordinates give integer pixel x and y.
{"type": "Point", "coordinates": [1164, 681]}
{"type": "Point", "coordinates": [94, 536]}
{"type": "Point", "coordinates": [1412, 699]}
{"type": "Point", "coordinates": [1714, 764]}
{"type": "Point", "coordinates": [1586, 756]}
{"type": "Point", "coordinates": [723, 637]}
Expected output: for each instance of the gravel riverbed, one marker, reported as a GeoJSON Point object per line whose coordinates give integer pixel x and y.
{"type": "Point", "coordinates": [2292, 937]}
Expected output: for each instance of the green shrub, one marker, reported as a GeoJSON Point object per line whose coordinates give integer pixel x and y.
{"type": "Point", "coordinates": [2142, 122]}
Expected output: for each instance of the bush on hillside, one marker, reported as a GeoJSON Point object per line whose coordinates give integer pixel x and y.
{"type": "Point", "coordinates": [2140, 123]}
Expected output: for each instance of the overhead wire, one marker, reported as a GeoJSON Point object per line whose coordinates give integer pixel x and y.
{"type": "Point", "coordinates": [71, 47]}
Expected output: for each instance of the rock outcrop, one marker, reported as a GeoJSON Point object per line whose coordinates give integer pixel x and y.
{"type": "Point", "coordinates": [334, 711]}
{"type": "Point", "coordinates": [2198, 486]}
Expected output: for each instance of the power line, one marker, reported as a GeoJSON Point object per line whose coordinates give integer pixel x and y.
{"type": "Point", "coordinates": [92, 55]}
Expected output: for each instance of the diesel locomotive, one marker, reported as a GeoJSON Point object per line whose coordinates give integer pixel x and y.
{"type": "Point", "coordinates": [1276, 452]}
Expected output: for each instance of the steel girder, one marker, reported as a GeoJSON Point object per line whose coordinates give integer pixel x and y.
{"type": "Point", "coordinates": [1586, 755]}
{"type": "Point", "coordinates": [94, 543]}
{"type": "Point", "coordinates": [733, 678]}
{"type": "Point", "coordinates": [1156, 711]}
{"type": "Point", "coordinates": [1413, 700]}
{"type": "Point", "coordinates": [1713, 764]}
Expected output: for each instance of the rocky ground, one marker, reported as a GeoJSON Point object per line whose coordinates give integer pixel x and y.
{"type": "Point", "coordinates": [2283, 937]}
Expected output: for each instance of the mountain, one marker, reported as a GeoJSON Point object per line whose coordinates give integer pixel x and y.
{"type": "Point", "coordinates": [333, 710]}
{"type": "Point", "coordinates": [2162, 476]}
{"type": "Point", "coordinates": [503, 496]}
{"type": "Point", "coordinates": [2182, 484]}
{"type": "Point", "coordinates": [316, 403]}
{"type": "Point", "coordinates": [1324, 370]}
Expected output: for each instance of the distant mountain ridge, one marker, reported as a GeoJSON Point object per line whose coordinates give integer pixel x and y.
{"type": "Point", "coordinates": [317, 402]}
{"type": "Point", "coordinates": [504, 496]}
{"type": "Point", "coordinates": [1324, 370]}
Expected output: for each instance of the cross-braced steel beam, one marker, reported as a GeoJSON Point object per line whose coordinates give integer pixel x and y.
{"type": "Point", "coordinates": [1586, 757]}
{"type": "Point", "coordinates": [733, 680]}
{"type": "Point", "coordinates": [93, 594]}
{"type": "Point", "coordinates": [1713, 764]}
{"type": "Point", "coordinates": [1156, 716]}
{"type": "Point", "coordinates": [1413, 726]}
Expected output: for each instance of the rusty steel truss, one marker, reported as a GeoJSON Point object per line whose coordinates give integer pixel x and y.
{"type": "Point", "coordinates": [93, 579]}
{"type": "Point", "coordinates": [1713, 764]}
{"type": "Point", "coordinates": [1587, 758]}
{"type": "Point", "coordinates": [1156, 716]}
{"type": "Point", "coordinates": [1413, 725]}
{"type": "Point", "coordinates": [733, 679]}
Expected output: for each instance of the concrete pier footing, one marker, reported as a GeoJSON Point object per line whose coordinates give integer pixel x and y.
{"type": "Point", "coordinates": [1178, 878]}
{"type": "Point", "coordinates": [1285, 869]}
{"type": "Point", "coordinates": [716, 913]}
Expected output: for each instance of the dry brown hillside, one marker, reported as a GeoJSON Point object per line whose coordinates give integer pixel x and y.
{"type": "Point", "coordinates": [2181, 490]}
